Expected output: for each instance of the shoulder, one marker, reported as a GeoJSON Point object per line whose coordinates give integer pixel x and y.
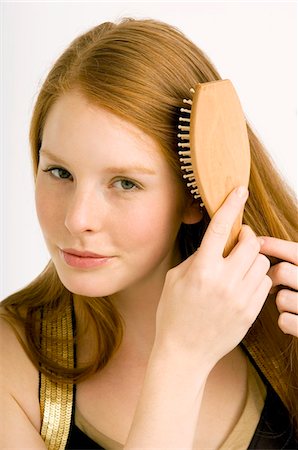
{"type": "Point", "coordinates": [19, 379]}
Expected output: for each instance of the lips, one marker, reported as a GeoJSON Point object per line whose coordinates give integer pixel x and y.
{"type": "Point", "coordinates": [83, 259]}
{"type": "Point", "coordinates": [84, 254]}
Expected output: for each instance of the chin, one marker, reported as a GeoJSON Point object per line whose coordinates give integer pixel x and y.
{"type": "Point", "coordinates": [87, 291]}
{"type": "Point", "coordinates": [85, 287]}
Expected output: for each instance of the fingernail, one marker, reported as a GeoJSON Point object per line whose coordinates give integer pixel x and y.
{"type": "Point", "coordinates": [241, 191]}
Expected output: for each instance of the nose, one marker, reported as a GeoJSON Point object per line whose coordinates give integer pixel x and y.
{"type": "Point", "coordinates": [85, 212]}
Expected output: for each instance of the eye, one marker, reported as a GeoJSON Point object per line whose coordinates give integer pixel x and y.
{"type": "Point", "coordinates": [59, 172]}
{"type": "Point", "coordinates": [125, 185]}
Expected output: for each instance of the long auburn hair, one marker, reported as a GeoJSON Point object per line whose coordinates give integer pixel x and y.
{"type": "Point", "coordinates": [141, 70]}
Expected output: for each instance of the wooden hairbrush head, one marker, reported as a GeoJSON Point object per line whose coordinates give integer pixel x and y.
{"type": "Point", "coordinates": [215, 152]}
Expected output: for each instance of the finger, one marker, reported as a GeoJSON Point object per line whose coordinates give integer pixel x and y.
{"type": "Point", "coordinates": [287, 301]}
{"type": "Point", "coordinates": [285, 274]}
{"type": "Point", "coordinates": [259, 296]}
{"type": "Point", "coordinates": [256, 274]}
{"type": "Point", "coordinates": [245, 251]}
{"type": "Point", "coordinates": [218, 231]}
{"type": "Point", "coordinates": [288, 323]}
{"type": "Point", "coordinates": [279, 248]}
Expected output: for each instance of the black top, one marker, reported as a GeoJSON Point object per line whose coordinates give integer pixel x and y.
{"type": "Point", "coordinates": [274, 430]}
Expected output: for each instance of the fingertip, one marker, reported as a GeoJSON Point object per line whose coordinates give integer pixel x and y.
{"type": "Point", "coordinates": [287, 322]}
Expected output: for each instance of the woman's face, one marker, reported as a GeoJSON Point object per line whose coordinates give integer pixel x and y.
{"type": "Point", "coordinates": [103, 186]}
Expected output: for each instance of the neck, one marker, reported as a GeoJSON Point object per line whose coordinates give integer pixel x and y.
{"type": "Point", "coordinates": [138, 305]}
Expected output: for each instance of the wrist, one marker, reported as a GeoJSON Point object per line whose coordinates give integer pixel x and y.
{"type": "Point", "coordinates": [169, 404]}
{"type": "Point", "coordinates": [187, 365]}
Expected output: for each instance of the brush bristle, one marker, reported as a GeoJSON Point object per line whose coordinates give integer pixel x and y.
{"type": "Point", "coordinates": [185, 153]}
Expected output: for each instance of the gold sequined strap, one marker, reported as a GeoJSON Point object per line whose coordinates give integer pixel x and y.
{"type": "Point", "coordinates": [56, 398]}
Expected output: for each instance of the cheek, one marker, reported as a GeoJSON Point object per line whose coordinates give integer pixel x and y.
{"type": "Point", "coordinates": [48, 208]}
{"type": "Point", "coordinates": [154, 224]}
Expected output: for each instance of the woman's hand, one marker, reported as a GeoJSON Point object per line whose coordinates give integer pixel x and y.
{"type": "Point", "coordinates": [207, 305]}
{"type": "Point", "coordinates": [209, 302]}
{"type": "Point", "coordinates": [285, 274]}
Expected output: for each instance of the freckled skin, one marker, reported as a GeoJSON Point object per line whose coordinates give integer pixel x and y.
{"type": "Point", "coordinates": [88, 206]}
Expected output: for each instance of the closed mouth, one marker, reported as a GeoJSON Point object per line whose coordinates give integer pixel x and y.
{"type": "Point", "coordinates": [84, 260]}
{"type": "Point", "coordinates": [83, 254]}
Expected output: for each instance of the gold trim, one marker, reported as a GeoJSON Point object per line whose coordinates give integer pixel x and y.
{"type": "Point", "coordinates": [56, 398]}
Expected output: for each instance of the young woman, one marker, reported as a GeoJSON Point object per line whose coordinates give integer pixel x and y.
{"type": "Point", "coordinates": [139, 334]}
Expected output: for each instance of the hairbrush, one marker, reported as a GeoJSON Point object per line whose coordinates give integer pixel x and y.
{"type": "Point", "coordinates": [214, 147]}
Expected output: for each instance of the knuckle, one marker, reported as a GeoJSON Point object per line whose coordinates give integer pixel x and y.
{"type": "Point", "coordinates": [283, 321]}
{"type": "Point", "coordinates": [245, 230]}
{"type": "Point", "coordinates": [268, 282]}
{"type": "Point", "coordinates": [245, 227]}
{"type": "Point", "coordinates": [204, 275]}
{"type": "Point", "coordinates": [281, 300]}
{"type": "Point", "coordinates": [219, 227]}
{"type": "Point", "coordinates": [264, 261]}
{"type": "Point", "coordinates": [253, 244]}
{"type": "Point", "coordinates": [281, 270]}
{"type": "Point", "coordinates": [248, 230]}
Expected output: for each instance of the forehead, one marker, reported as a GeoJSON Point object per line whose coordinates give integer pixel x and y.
{"type": "Point", "coordinates": [80, 131]}
{"type": "Point", "coordinates": [74, 121]}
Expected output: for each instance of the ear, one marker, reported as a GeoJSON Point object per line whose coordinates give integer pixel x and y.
{"type": "Point", "coordinates": [193, 212]}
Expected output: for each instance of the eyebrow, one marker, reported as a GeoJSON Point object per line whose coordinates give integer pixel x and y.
{"type": "Point", "coordinates": [130, 169]}
{"type": "Point", "coordinates": [52, 156]}
{"type": "Point", "coordinates": [115, 169]}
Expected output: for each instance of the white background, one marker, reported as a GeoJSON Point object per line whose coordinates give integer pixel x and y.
{"type": "Point", "coordinates": [251, 43]}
